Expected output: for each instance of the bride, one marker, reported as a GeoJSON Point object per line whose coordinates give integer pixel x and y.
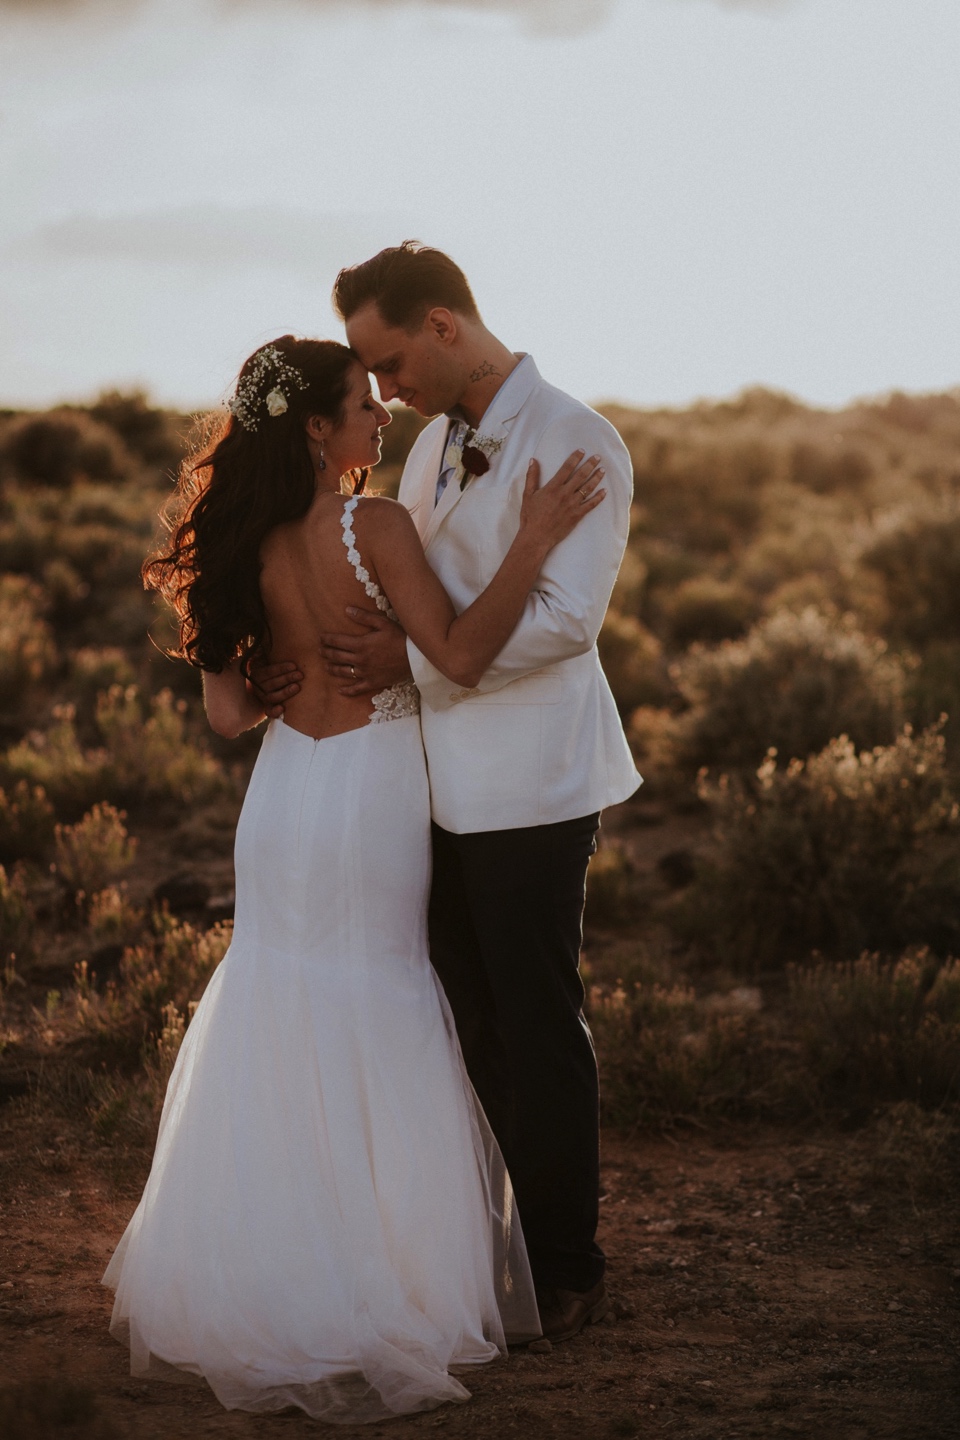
{"type": "Point", "coordinates": [327, 1222]}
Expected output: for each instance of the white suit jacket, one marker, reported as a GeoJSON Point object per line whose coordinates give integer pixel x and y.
{"type": "Point", "coordinates": [539, 739]}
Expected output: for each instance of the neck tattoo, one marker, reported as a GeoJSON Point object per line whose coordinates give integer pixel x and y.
{"type": "Point", "coordinates": [483, 370]}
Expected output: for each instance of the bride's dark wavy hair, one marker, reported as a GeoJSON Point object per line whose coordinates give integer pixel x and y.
{"type": "Point", "coordinates": [238, 485]}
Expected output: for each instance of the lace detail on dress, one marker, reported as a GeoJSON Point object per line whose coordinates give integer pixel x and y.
{"type": "Point", "coordinates": [398, 701]}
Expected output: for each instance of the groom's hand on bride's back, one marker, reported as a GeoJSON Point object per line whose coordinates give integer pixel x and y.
{"type": "Point", "coordinates": [274, 685]}
{"type": "Point", "coordinates": [366, 663]}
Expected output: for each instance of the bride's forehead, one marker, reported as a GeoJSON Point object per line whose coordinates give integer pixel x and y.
{"type": "Point", "coordinates": [359, 387]}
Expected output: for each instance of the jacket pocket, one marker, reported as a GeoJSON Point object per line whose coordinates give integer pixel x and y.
{"type": "Point", "coordinates": [543, 688]}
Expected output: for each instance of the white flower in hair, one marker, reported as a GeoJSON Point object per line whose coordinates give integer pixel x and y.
{"type": "Point", "coordinates": [247, 399]}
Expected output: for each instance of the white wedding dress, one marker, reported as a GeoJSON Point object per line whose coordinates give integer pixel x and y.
{"type": "Point", "coordinates": [328, 1222]}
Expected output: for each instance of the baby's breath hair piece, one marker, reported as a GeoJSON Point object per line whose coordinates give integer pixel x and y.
{"type": "Point", "coordinates": [247, 399]}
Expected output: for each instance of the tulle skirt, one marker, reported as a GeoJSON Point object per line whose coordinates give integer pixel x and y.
{"type": "Point", "coordinates": [328, 1222]}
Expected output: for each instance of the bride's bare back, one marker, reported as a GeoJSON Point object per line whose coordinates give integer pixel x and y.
{"type": "Point", "coordinates": [307, 581]}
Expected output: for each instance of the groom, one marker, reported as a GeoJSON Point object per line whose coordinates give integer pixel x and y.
{"type": "Point", "coordinates": [521, 764]}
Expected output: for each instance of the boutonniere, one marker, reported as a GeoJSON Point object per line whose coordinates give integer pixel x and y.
{"type": "Point", "coordinates": [475, 455]}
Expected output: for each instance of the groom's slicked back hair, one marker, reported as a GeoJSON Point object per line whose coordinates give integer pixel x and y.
{"type": "Point", "coordinates": [404, 282]}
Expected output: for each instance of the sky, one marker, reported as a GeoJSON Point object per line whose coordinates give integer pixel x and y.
{"type": "Point", "coordinates": [662, 200]}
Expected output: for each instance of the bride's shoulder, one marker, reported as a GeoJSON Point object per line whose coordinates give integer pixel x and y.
{"type": "Point", "coordinates": [378, 513]}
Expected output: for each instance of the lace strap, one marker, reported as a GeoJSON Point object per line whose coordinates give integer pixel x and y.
{"type": "Point", "coordinates": [353, 555]}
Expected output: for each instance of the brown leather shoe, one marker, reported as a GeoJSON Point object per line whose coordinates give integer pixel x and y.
{"type": "Point", "coordinates": [564, 1313]}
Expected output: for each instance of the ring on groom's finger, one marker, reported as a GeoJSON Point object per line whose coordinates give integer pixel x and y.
{"type": "Point", "coordinates": [353, 671]}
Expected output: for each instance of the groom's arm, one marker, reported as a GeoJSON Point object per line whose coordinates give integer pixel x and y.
{"type": "Point", "coordinates": [565, 611]}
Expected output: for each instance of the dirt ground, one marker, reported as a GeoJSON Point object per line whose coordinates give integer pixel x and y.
{"type": "Point", "coordinates": [765, 1285]}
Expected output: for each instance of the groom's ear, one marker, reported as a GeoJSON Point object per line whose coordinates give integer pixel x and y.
{"type": "Point", "coordinates": [441, 324]}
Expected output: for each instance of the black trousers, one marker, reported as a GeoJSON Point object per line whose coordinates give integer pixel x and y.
{"type": "Point", "coordinates": [506, 911]}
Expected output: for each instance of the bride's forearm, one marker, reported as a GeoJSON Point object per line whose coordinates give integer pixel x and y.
{"type": "Point", "coordinates": [473, 640]}
{"type": "Point", "coordinates": [229, 702]}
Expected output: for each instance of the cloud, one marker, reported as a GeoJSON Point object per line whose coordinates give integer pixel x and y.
{"type": "Point", "coordinates": [213, 237]}
{"type": "Point", "coordinates": [549, 17]}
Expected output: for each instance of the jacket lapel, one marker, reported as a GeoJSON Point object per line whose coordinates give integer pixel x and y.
{"type": "Point", "coordinates": [450, 497]}
{"type": "Point", "coordinates": [498, 420]}
{"type": "Point", "coordinates": [419, 491]}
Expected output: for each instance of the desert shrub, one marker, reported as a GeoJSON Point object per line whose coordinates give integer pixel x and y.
{"type": "Point", "coordinates": [919, 565]}
{"type": "Point", "coordinates": [612, 893]}
{"type": "Point", "coordinates": [632, 661]}
{"type": "Point", "coordinates": [16, 916]}
{"type": "Point", "coordinates": [872, 1031]}
{"type": "Point", "coordinates": [801, 542]}
{"type": "Point", "coordinates": [61, 446]}
{"type": "Point", "coordinates": [664, 1056]}
{"type": "Point", "coordinates": [94, 668]}
{"type": "Point", "coordinates": [840, 853]}
{"type": "Point", "coordinates": [707, 609]}
{"type": "Point", "coordinates": [27, 651]}
{"type": "Point", "coordinates": [153, 435]}
{"type": "Point", "coordinates": [909, 1148]}
{"type": "Point", "coordinates": [627, 597]}
{"type": "Point", "coordinates": [54, 759]}
{"type": "Point", "coordinates": [170, 968]}
{"type": "Point", "coordinates": [150, 754]}
{"type": "Point", "coordinates": [146, 754]}
{"type": "Point", "coordinates": [94, 851]}
{"type": "Point", "coordinates": [824, 470]}
{"type": "Point", "coordinates": [793, 683]}
{"type": "Point", "coordinates": [112, 919]}
{"type": "Point", "coordinates": [933, 690]}
{"type": "Point", "coordinates": [26, 822]}
{"type": "Point", "coordinates": [65, 590]}
{"type": "Point", "coordinates": [702, 496]}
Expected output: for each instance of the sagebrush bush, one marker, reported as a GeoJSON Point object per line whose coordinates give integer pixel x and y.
{"type": "Point", "coordinates": [872, 1031]}
{"type": "Point", "coordinates": [94, 669]}
{"type": "Point", "coordinates": [824, 469]}
{"type": "Point", "coordinates": [612, 890]}
{"type": "Point", "coordinates": [793, 683]}
{"type": "Point", "coordinates": [663, 1056]}
{"type": "Point", "coordinates": [26, 822]}
{"type": "Point", "coordinates": [840, 853]}
{"type": "Point", "coordinates": [150, 753]}
{"type": "Point", "coordinates": [155, 436]}
{"type": "Point", "coordinates": [94, 851]}
{"type": "Point", "coordinates": [707, 609]}
{"type": "Point", "coordinates": [16, 916]}
{"type": "Point", "coordinates": [632, 661]}
{"type": "Point", "coordinates": [61, 446]}
{"type": "Point", "coordinates": [112, 919]}
{"type": "Point", "coordinates": [703, 496]}
{"type": "Point", "coordinates": [145, 754]}
{"type": "Point", "coordinates": [27, 649]}
{"type": "Point", "coordinates": [919, 565]}
{"type": "Point", "coordinates": [72, 777]}
{"type": "Point", "coordinates": [170, 968]}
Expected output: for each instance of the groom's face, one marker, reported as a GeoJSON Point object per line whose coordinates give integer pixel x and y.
{"type": "Point", "coordinates": [415, 367]}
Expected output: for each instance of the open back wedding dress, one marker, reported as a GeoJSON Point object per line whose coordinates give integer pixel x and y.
{"type": "Point", "coordinates": [328, 1222]}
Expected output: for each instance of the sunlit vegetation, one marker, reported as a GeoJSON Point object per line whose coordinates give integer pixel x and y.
{"type": "Point", "coordinates": [784, 646]}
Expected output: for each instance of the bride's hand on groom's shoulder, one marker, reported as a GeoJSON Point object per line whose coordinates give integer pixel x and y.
{"type": "Point", "coordinates": [550, 511]}
{"type": "Point", "coordinates": [366, 663]}
{"type": "Point", "coordinates": [275, 684]}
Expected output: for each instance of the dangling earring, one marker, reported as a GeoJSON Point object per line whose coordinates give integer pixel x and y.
{"type": "Point", "coordinates": [321, 463]}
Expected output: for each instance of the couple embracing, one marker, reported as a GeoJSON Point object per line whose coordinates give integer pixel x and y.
{"type": "Point", "coordinates": [378, 1159]}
